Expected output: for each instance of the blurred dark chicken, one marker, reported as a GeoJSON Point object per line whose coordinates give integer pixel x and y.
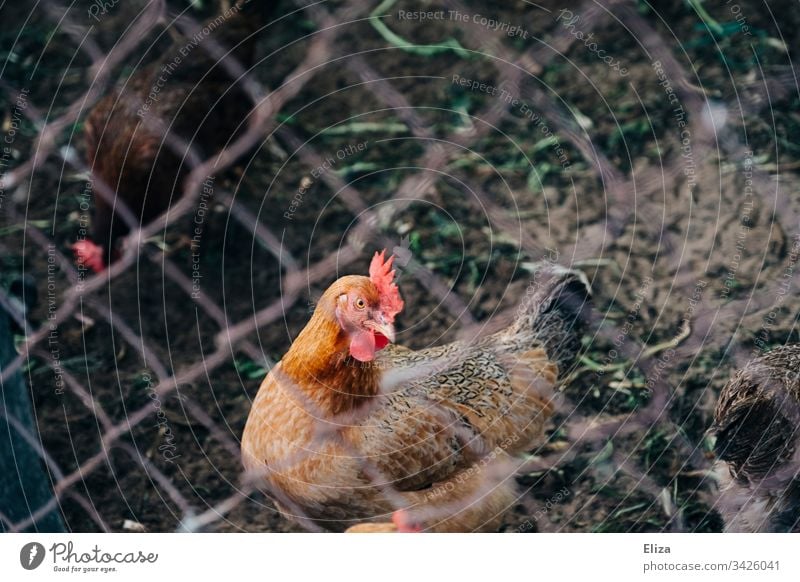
{"type": "Point", "coordinates": [756, 425]}
{"type": "Point", "coordinates": [138, 136]}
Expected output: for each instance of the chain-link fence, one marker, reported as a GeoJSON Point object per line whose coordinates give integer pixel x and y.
{"type": "Point", "coordinates": [666, 312]}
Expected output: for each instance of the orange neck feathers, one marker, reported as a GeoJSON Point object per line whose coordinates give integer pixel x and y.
{"type": "Point", "coordinates": [319, 360]}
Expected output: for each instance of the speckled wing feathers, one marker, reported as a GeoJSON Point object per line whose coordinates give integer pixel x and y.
{"type": "Point", "coordinates": [438, 438]}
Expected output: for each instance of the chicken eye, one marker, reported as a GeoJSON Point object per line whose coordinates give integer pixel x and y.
{"type": "Point", "coordinates": [360, 303]}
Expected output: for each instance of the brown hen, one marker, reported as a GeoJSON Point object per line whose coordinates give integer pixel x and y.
{"type": "Point", "coordinates": [138, 137]}
{"type": "Point", "coordinates": [347, 428]}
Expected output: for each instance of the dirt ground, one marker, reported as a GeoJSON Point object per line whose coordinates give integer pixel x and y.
{"type": "Point", "coordinates": [711, 230]}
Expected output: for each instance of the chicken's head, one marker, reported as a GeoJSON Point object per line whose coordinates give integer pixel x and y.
{"type": "Point", "coordinates": [89, 255]}
{"type": "Point", "coordinates": [366, 309]}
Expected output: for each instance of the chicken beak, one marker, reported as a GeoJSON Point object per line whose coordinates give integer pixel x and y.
{"type": "Point", "coordinates": [387, 330]}
{"type": "Point", "coordinates": [383, 327]}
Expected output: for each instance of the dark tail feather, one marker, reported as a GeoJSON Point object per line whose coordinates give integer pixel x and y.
{"type": "Point", "coordinates": [753, 440]}
{"type": "Point", "coordinates": [556, 308]}
{"type": "Point", "coordinates": [757, 430]}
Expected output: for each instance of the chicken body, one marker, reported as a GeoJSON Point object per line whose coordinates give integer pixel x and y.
{"type": "Point", "coordinates": [432, 432]}
{"type": "Point", "coordinates": [756, 427]}
{"type": "Point", "coordinates": [138, 136]}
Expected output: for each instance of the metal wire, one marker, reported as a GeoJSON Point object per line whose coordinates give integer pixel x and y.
{"type": "Point", "coordinates": [628, 196]}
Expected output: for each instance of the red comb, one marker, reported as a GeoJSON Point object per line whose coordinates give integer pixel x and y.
{"type": "Point", "coordinates": [89, 255]}
{"type": "Point", "coordinates": [382, 275]}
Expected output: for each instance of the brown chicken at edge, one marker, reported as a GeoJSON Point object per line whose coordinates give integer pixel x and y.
{"type": "Point", "coordinates": [757, 429]}
{"type": "Point", "coordinates": [187, 93]}
{"type": "Point", "coordinates": [347, 428]}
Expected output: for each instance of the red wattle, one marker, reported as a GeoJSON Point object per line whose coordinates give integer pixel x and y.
{"type": "Point", "coordinates": [362, 346]}
{"type": "Point", "coordinates": [381, 341]}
